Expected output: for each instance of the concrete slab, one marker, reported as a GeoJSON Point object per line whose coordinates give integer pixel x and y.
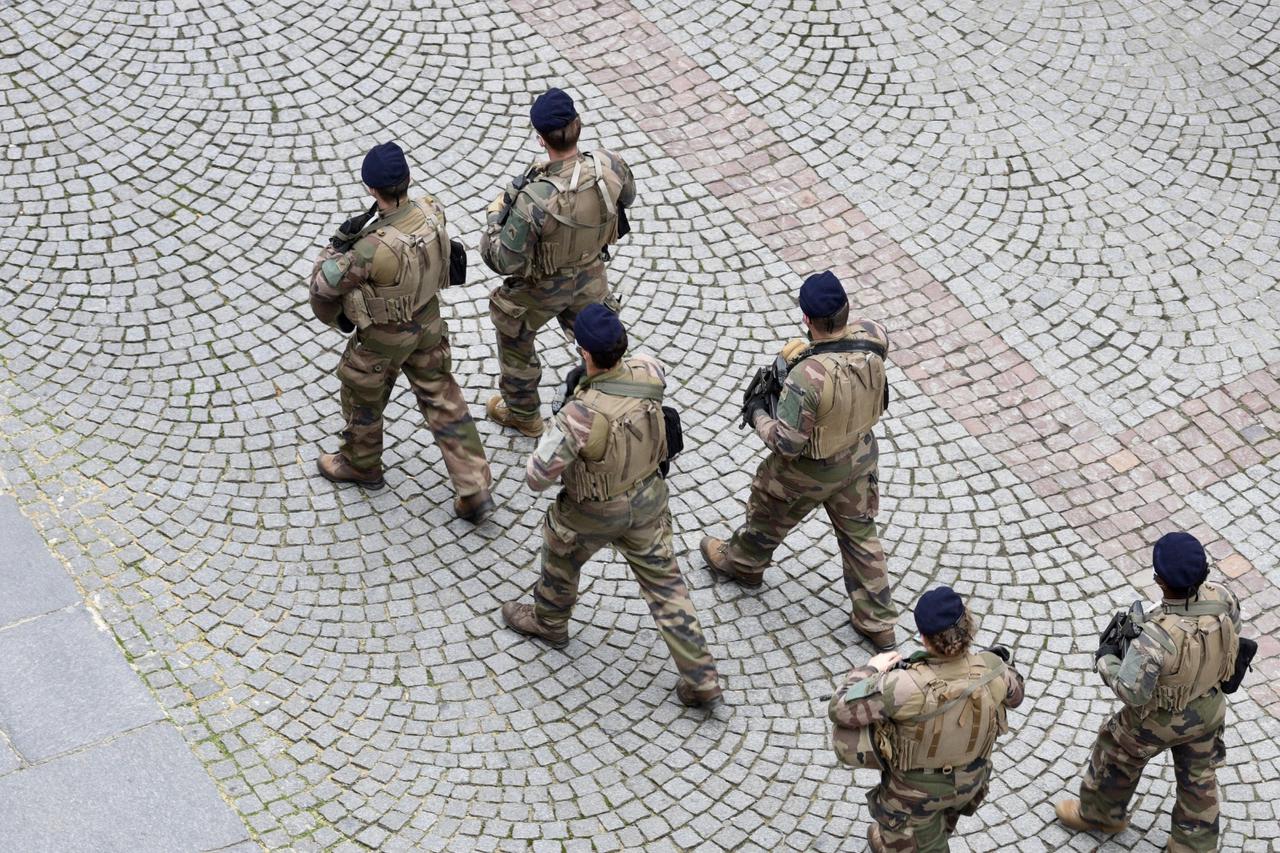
{"type": "Point", "coordinates": [143, 792]}
{"type": "Point", "coordinates": [65, 684]}
{"type": "Point", "coordinates": [8, 758]}
{"type": "Point", "coordinates": [31, 580]}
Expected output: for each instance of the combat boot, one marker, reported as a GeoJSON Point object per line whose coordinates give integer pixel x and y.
{"type": "Point", "coordinates": [883, 641]}
{"type": "Point", "coordinates": [521, 618]}
{"type": "Point", "coordinates": [335, 468]}
{"type": "Point", "coordinates": [473, 508]}
{"type": "Point", "coordinates": [498, 412]}
{"type": "Point", "coordinates": [715, 553]}
{"type": "Point", "coordinates": [692, 697]}
{"type": "Point", "coordinates": [1068, 812]}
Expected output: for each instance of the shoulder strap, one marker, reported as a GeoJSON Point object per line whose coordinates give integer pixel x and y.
{"type": "Point", "coordinates": [991, 675]}
{"type": "Point", "coordinates": [609, 209]}
{"type": "Point", "coordinates": [627, 388]}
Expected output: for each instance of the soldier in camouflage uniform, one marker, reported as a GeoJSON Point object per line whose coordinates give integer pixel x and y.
{"type": "Point", "coordinates": [824, 452]}
{"type": "Point", "coordinates": [929, 724]}
{"type": "Point", "coordinates": [546, 234]}
{"type": "Point", "coordinates": [605, 447]}
{"type": "Point", "coordinates": [385, 287]}
{"type": "Point", "coordinates": [1169, 681]}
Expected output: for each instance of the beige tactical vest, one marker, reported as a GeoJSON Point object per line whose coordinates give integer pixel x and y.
{"type": "Point", "coordinates": [582, 215]}
{"type": "Point", "coordinates": [636, 440]}
{"type": "Point", "coordinates": [422, 256]}
{"type": "Point", "coordinates": [1200, 644]}
{"type": "Point", "coordinates": [963, 714]}
{"type": "Point", "coordinates": [851, 402]}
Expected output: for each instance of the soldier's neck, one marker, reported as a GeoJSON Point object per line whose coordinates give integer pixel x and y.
{"type": "Point", "coordinates": [559, 156]}
{"type": "Point", "coordinates": [819, 337]}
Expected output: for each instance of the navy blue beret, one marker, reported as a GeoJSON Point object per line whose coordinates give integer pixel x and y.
{"type": "Point", "coordinates": [384, 166]}
{"type": "Point", "coordinates": [597, 329]}
{"type": "Point", "coordinates": [552, 111]}
{"type": "Point", "coordinates": [822, 295]}
{"type": "Point", "coordinates": [938, 609]}
{"type": "Point", "coordinates": [1180, 561]}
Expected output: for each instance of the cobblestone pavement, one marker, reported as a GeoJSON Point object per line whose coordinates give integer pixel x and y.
{"type": "Point", "coordinates": [1064, 211]}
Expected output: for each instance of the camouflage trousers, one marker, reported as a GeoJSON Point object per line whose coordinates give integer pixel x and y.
{"type": "Point", "coordinates": [638, 526]}
{"type": "Point", "coordinates": [917, 810]}
{"type": "Point", "coordinates": [1127, 741]}
{"type": "Point", "coordinates": [372, 362]}
{"type": "Point", "coordinates": [784, 492]}
{"type": "Point", "coordinates": [520, 308]}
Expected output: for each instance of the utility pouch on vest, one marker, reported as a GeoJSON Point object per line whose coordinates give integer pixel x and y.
{"type": "Point", "coordinates": [864, 747]}
{"type": "Point", "coordinates": [1244, 657]}
{"type": "Point", "coordinates": [675, 438]}
{"type": "Point", "coordinates": [457, 263]}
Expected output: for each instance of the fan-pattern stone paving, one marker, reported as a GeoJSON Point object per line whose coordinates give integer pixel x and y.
{"type": "Point", "coordinates": [1063, 212]}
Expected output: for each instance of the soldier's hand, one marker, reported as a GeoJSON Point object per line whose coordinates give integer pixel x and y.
{"type": "Point", "coordinates": [352, 226]}
{"type": "Point", "coordinates": [793, 348]}
{"type": "Point", "coordinates": [496, 205]}
{"type": "Point", "coordinates": [755, 406]}
{"type": "Point", "coordinates": [344, 323]}
{"type": "Point", "coordinates": [884, 661]}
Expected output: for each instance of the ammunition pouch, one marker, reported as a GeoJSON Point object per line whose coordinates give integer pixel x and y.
{"type": "Point", "coordinates": [1244, 657]}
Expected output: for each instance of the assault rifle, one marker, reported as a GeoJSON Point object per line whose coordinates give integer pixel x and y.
{"type": "Point", "coordinates": [349, 231]}
{"type": "Point", "coordinates": [765, 389]}
{"type": "Point", "coordinates": [1123, 629]}
{"type": "Point", "coordinates": [509, 200]}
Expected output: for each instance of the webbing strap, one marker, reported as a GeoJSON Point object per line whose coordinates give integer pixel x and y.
{"type": "Point", "coordinates": [609, 209]}
{"type": "Point", "coordinates": [991, 675]}
{"type": "Point", "coordinates": [627, 388]}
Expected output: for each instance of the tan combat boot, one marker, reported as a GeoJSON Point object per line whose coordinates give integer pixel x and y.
{"type": "Point", "coordinates": [498, 412]}
{"type": "Point", "coordinates": [1068, 812]}
{"type": "Point", "coordinates": [884, 641]}
{"type": "Point", "coordinates": [715, 553]}
{"type": "Point", "coordinates": [692, 697]}
{"type": "Point", "coordinates": [335, 468]}
{"type": "Point", "coordinates": [521, 618]}
{"type": "Point", "coordinates": [473, 508]}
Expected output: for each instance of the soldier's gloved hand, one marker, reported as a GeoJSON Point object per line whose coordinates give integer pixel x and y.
{"type": "Point", "coordinates": [496, 205]}
{"type": "Point", "coordinates": [1000, 652]}
{"type": "Point", "coordinates": [755, 406]}
{"type": "Point", "coordinates": [793, 348]}
{"type": "Point", "coordinates": [1105, 649]}
{"type": "Point", "coordinates": [344, 323]}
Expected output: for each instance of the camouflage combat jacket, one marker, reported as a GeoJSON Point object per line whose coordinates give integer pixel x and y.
{"type": "Point", "coordinates": [579, 433]}
{"type": "Point", "coordinates": [805, 404]}
{"type": "Point", "coordinates": [373, 266]}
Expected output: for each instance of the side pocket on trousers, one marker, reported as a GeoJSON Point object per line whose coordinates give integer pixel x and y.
{"type": "Point", "coordinates": [362, 369]}
{"type": "Point", "coordinates": [507, 314]}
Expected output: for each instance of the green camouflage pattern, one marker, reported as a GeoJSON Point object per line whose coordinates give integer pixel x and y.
{"type": "Point", "coordinates": [636, 525]}
{"type": "Point", "coordinates": [784, 491]}
{"type": "Point", "coordinates": [1138, 733]}
{"type": "Point", "coordinates": [915, 810]}
{"type": "Point", "coordinates": [789, 433]}
{"type": "Point", "coordinates": [1127, 741]}
{"type": "Point", "coordinates": [374, 358]}
{"type": "Point", "coordinates": [526, 301]}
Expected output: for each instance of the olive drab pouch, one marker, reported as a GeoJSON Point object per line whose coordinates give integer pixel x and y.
{"type": "Point", "coordinates": [864, 747]}
{"type": "Point", "coordinates": [582, 215]}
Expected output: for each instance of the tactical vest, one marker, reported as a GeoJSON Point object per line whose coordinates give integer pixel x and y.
{"type": "Point", "coordinates": [582, 216]}
{"type": "Point", "coordinates": [851, 402]}
{"type": "Point", "coordinates": [631, 405]}
{"type": "Point", "coordinates": [1200, 643]}
{"type": "Point", "coordinates": [963, 714]}
{"type": "Point", "coordinates": [422, 257]}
